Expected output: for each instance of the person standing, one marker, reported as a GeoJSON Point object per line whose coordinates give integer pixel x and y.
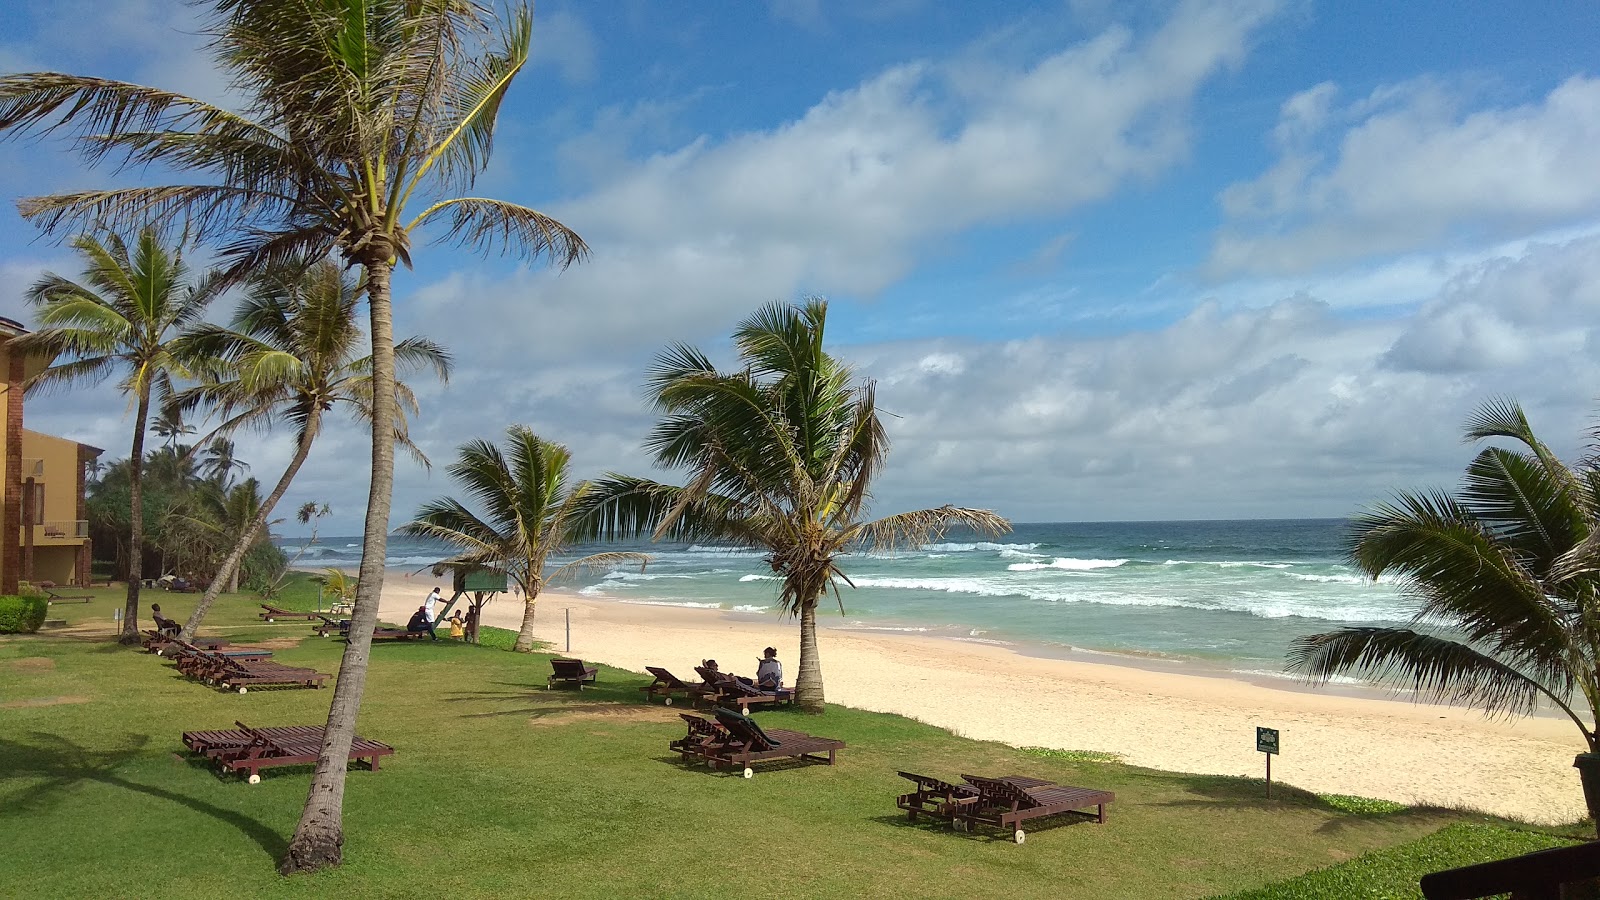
{"type": "Point", "coordinates": [457, 626]}
{"type": "Point", "coordinates": [769, 673]}
{"type": "Point", "coordinates": [428, 610]}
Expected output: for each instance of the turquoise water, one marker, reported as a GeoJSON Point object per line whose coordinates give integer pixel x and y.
{"type": "Point", "coordinates": [1229, 593]}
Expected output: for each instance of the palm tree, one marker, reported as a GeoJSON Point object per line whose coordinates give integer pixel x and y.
{"type": "Point", "coordinates": [781, 455]}
{"type": "Point", "coordinates": [528, 516]}
{"type": "Point", "coordinates": [220, 462]}
{"type": "Point", "coordinates": [291, 356]}
{"type": "Point", "coordinates": [363, 118]}
{"type": "Point", "coordinates": [170, 427]}
{"type": "Point", "coordinates": [126, 314]}
{"type": "Point", "coordinates": [1503, 578]}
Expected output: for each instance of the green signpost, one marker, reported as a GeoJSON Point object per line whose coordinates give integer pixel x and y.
{"type": "Point", "coordinates": [1267, 742]}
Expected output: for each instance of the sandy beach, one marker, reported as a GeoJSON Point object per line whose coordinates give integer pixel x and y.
{"type": "Point", "coordinates": [1393, 749]}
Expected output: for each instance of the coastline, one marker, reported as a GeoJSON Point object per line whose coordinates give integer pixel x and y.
{"type": "Point", "coordinates": [1336, 740]}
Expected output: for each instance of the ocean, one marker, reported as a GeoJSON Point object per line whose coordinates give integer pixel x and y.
{"type": "Point", "coordinates": [1229, 595]}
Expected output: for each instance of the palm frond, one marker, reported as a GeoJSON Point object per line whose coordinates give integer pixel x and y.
{"type": "Point", "coordinates": [489, 226]}
{"type": "Point", "coordinates": [599, 562]}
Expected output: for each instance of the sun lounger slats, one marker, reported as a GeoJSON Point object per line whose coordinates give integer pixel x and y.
{"type": "Point", "coordinates": [668, 685]}
{"type": "Point", "coordinates": [739, 741]}
{"type": "Point", "coordinates": [240, 675]}
{"type": "Point", "coordinates": [1009, 801]}
{"type": "Point", "coordinates": [271, 613]}
{"type": "Point", "coordinates": [249, 750]}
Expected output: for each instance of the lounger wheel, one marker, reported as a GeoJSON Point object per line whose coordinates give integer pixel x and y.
{"type": "Point", "coordinates": [749, 772]}
{"type": "Point", "coordinates": [243, 689]}
{"type": "Point", "coordinates": [669, 701]}
{"type": "Point", "coordinates": [270, 620]}
{"type": "Point", "coordinates": [255, 777]}
{"type": "Point", "coordinates": [1019, 837]}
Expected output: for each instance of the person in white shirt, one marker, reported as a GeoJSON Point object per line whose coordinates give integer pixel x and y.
{"type": "Point", "coordinates": [769, 674]}
{"type": "Point", "coordinates": [428, 611]}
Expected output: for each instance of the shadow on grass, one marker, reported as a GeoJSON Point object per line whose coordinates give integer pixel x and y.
{"type": "Point", "coordinates": [1251, 794]}
{"type": "Point", "coordinates": [60, 764]}
{"type": "Point", "coordinates": [983, 833]}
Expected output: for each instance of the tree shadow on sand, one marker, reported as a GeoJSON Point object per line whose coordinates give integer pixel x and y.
{"type": "Point", "coordinates": [55, 766]}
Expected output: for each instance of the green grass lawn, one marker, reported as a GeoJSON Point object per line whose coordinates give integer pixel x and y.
{"type": "Point", "coordinates": [501, 788]}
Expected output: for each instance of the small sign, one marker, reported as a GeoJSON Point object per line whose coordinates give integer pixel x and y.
{"type": "Point", "coordinates": [1266, 740]}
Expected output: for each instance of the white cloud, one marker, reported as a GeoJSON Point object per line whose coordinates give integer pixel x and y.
{"type": "Point", "coordinates": [1407, 168]}
{"type": "Point", "coordinates": [564, 41]}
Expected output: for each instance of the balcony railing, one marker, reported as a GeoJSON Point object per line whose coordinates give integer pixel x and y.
{"type": "Point", "coordinates": [63, 528]}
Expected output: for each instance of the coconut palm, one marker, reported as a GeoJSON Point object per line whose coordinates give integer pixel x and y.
{"type": "Point", "coordinates": [361, 121]}
{"type": "Point", "coordinates": [527, 515]}
{"type": "Point", "coordinates": [1506, 593]}
{"type": "Point", "coordinates": [781, 455]}
{"type": "Point", "coordinates": [290, 357]}
{"type": "Point", "coordinates": [220, 462]}
{"type": "Point", "coordinates": [127, 312]}
{"type": "Point", "coordinates": [170, 426]}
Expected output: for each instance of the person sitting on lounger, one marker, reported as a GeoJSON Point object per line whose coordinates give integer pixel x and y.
{"type": "Point", "coordinates": [419, 621]}
{"type": "Point", "coordinates": [163, 624]}
{"type": "Point", "coordinates": [769, 673]}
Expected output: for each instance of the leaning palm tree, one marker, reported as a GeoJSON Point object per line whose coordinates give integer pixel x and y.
{"type": "Point", "coordinates": [1505, 586]}
{"type": "Point", "coordinates": [527, 515]}
{"type": "Point", "coordinates": [781, 455]}
{"type": "Point", "coordinates": [126, 314]}
{"type": "Point", "coordinates": [362, 120]}
{"type": "Point", "coordinates": [291, 356]}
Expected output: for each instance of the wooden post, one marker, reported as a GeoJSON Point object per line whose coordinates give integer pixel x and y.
{"type": "Point", "coordinates": [568, 610]}
{"type": "Point", "coordinates": [1269, 776]}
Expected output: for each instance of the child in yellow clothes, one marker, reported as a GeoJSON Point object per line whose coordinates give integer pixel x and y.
{"type": "Point", "coordinates": [457, 625]}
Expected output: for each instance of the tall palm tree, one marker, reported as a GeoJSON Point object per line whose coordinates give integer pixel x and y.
{"type": "Point", "coordinates": [362, 119]}
{"type": "Point", "coordinates": [1504, 582]}
{"type": "Point", "coordinates": [528, 514]}
{"type": "Point", "coordinates": [291, 356]}
{"type": "Point", "coordinates": [126, 314]}
{"type": "Point", "coordinates": [781, 455]}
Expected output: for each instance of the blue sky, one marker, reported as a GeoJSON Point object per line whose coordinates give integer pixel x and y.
{"type": "Point", "coordinates": [1105, 260]}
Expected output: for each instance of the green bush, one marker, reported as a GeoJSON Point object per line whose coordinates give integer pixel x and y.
{"type": "Point", "coordinates": [22, 614]}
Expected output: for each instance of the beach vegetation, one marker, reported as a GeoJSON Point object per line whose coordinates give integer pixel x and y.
{"type": "Point", "coordinates": [23, 613]}
{"type": "Point", "coordinates": [124, 316]}
{"type": "Point", "coordinates": [522, 508]}
{"type": "Point", "coordinates": [781, 454]}
{"type": "Point", "coordinates": [291, 355]}
{"type": "Point", "coordinates": [1505, 583]}
{"type": "Point", "coordinates": [1072, 755]}
{"type": "Point", "coordinates": [361, 122]}
{"type": "Point", "coordinates": [1366, 806]}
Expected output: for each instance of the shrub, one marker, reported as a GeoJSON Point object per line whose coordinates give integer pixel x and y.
{"type": "Point", "coordinates": [22, 614]}
{"type": "Point", "coordinates": [1073, 755]}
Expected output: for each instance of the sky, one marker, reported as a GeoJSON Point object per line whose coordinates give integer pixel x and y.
{"type": "Point", "coordinates": [1104, 260]}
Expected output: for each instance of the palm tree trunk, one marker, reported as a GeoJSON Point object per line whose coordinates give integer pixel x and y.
{"type": "Point", "coordinates": [130, 612]}
{"type": "Point", "coordinates": [808, 681]}
{"type": "Point", "coordinates": [229, 573]}
{"type": "Point", "coordinates": [524, 642]}
{"type": "Point", "coordinates": [319, 838]}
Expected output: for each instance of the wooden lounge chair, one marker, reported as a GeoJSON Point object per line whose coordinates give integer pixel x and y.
{"type": "Point", "coordinates": [215, 743]}
{"type": "Point", "coordinates": [703, 736]}
{"type": "Point", "coordinates": [331, 625]}
{"type": "Point", "coordinates": [160, 642]}
{"type": "Point", "coordinates": [935, 798]}
{"type": "Point", "coordinates": [272, 613]}
{"type": "Point", "coordinates": [732, 691]}
{"type": "Point", "coordinates": [54, 597]}
{"type": "Point", "coordinates": [748, 743]}
{"type": "Point", "coordinates": [209, 665]}
{"type": "Point", "coordinates": [1009, 801]}
{"type": "Point", "coordinates": [668, 684]}
{"type": "Point", "coordinates": [241, 676]}
{"type": "Point", "coordinates": [570, 671]}
{"type": "Point", "coordinates": [286, 747]}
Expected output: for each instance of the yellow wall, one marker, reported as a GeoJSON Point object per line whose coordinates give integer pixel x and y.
{"type": "Point", "coordinates": [60, 475]}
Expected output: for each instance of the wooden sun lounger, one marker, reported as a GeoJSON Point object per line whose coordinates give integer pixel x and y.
{"type": "Point", "coordinates": [241, 676]}
{"type": "Point", "coordinates": [747, 742]}
{"type": "Point", "coordinates": [935, 798]}
{"type": "Point", "coordinates": [570, 671]}
{"type": "Point", "coordinates": [288, 747]}
{"type": "Point", "coordinates": [667, 684]}
{"type": "Point", "coordinates": [271, 613]}
{"type": "Point", "coordinates": [213, 743]}
{"type": "Point", "coordinates": [331, 625]}
{"type": "Point", "coordinates": [209, 665]}
{"type": "Point", "coordinates": [730, 690]}
{"type": "Point", "coordinates": [160, 642]}
{"type": "Point", "coordinates": [703, 737]}
{"type": "Point", "coordinates": [54, 597]}
{"type": "Point", "coordinates": [390, 634]}
{"type": "Point", "coordinates": [1009, 801]}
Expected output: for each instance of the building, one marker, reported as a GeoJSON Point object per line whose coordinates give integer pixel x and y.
{"type": "Point", "coordinates": [44, 529]}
